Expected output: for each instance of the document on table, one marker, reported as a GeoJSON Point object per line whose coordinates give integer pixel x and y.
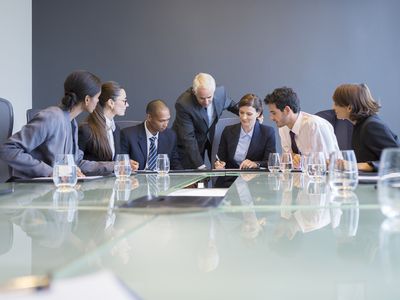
{"type": "Point", "coordinates": [101, 285]}
{"type": "Point", "coordinates": [217, 192]}
{"type": "Point", "coordinates": [368, 178]}
{"type": "Point", "coordinates": [50, 179]}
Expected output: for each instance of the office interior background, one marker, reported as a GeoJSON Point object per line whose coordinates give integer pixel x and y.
{"type": "Point", "coordinates": [154, 48]}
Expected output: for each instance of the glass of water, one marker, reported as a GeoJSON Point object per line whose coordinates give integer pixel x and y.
{"type": "Point", "coordinates": [316, 166]}
{"type": "Point", "coordinates": [122, 166]}
{"type": "Point", "coordinates": [389, 182]}
{"type": "Point", "coordinates": [274, 162]}
{"type": "Point", "coordinates": [343, 171]}
{"type": "Point", "coordinates": [64, 171]}
{"type": "Point", "coordinates": [286, 162]}
{"type": "Point", "coordinates": [162, 164]}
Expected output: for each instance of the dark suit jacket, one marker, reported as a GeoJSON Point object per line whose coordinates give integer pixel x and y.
{"type": "Point", "coordinates": [261, 145]}
{"type": "Point", "coordinates": [191, 125]}
{"type": "Point", "coordinates": [370, 137]}
{"type": "Point", "coordinates": [86, 147]}
{"type": "Point", "coordinates": [134, 143]}
{"type": "Point", "coordinates": [343, 128]}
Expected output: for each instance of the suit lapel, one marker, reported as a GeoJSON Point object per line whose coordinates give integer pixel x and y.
{"type": "Point", "coordinates": [142, 141]}
{"type": "Point", "coordinates": [234, 139]}
{"type": "Point", "coordinates": [255, 140]}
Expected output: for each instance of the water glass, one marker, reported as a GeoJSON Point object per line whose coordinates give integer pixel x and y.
{"type": "Point", "coordinates": [162, 164]}
{"type": "Point", "coordinates": [304, 162]}
{"type": "Point", "coordinates": [286, 165]}
{"type": "Point", "coordinates": [316, 167]}
{"type": "Point", "coordinates": [122, 166]}
{"type": "Point", "coordinates": [389, 182]}
{"type": "Point", "coordinates": [274, 162]}
{"type": "Point", "coordinates": [343, 171]}
{"type": "Point", "coordinates": [64, 171]}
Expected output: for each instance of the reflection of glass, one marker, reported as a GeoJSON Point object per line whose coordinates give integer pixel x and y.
{"type": "Point", "coordinates": [316, 187]}
{"type": "Point", "coordinates": [316, 167]}
{"type": "Point", "coordinates": [273, 182]}
{"type": "Point", "coordinates": [389, 182]}
{"type": "Point", "coordinates": [163, 183]}
{"type": "Point", "coordinates": [274, 162]}
{"type": "Point", "coordinates": [122, 166]}
{"type": "Point", "coordinates": [162, 164]}
{"type": "Point", "coordinates": [122, 189]}
{"type": "Point", "coordinates": [389, 244]}
{"type": "Point", "coordinates": [66, 200]}
{"type": "Point", "coordinates": [345, 213]}
{"type": "Point", "coordinates": [286, 162]}
{"type": "Point", "coordinates": [64, 171]}
{"type": "Point", "coordinates": [286, 182]}
{"type": "Point", "coordinates": [343, 171]}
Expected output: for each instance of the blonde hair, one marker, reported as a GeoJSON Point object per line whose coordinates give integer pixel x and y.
{"type": "Point", "coordinates": [203, 80]}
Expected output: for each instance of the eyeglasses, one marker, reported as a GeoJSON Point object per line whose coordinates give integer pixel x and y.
{"type": "Point", "coordinates": [125, 101]}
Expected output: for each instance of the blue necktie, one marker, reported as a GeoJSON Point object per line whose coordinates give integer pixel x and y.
{"type": "Point", "coordinates": [151, 161]}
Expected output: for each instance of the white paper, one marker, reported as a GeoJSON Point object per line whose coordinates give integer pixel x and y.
{"type": "Point", "coordinates": [200, 192]}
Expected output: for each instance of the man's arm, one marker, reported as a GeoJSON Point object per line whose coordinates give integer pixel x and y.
{"type": "Point", "coordinates": [185, 131]}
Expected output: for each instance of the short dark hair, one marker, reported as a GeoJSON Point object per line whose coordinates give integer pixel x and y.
{"type": "Point", "coordinates": [359, 97]}
{"type": "Point", "coordinates": [154, 105]}
{"type": "Point", "coordinates": [251, 100]}
{"type": "Point", "coordinates": [283, 97]}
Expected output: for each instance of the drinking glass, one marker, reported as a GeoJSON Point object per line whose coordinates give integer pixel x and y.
{"type": "Point", "coordinates": [162, 164]}
{"type": "Point", "coordinates": [304, 162]}
{"type": "Point", "coordinates": [316, 167]}
{"type": "Point", "coordinates": [64, 171]}
{"type": "Point", "coordinates": [389, 182]}
{"type": "Point", "coordinates": [274, 162]}
{"type": "Point", "coordinates": [286, 162]}
{"type": "Point", "coordinates": [343, 171]}
{"type": "Point", "coordinates": [122, 166]}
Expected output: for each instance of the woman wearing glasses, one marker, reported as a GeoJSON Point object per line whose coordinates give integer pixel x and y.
{"type": "Point", "coordinates": [99, 136]}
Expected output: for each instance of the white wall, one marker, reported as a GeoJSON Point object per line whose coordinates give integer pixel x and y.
{"type": "Point", "coordinates": [16, 56]}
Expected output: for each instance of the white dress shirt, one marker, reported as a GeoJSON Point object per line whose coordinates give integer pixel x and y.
{"type": "Point", "coordinates": [148, 136]}
{"type": "Point", "coordinates": [110, 125]}
{"type": "Point", "coordinates": [313, 134]}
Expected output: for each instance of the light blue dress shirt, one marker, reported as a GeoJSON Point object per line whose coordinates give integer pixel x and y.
{"type": "Point", "coordinates": [243, 145]}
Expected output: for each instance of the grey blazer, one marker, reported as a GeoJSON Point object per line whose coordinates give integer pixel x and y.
{"type": "Point", "coordinates": [31, 151]}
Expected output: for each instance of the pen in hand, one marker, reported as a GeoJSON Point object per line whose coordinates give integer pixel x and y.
{"type": "Point", "coordinates": [217, 157]}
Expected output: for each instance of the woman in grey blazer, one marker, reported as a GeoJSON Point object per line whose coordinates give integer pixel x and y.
{"type": "Point", "coordinates": [31, 151]}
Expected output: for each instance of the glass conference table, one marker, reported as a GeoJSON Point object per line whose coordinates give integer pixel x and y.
{"type": "Point", "coordinates": [273, 236]}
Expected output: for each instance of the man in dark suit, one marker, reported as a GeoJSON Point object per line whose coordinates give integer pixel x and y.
{"type": "Point", "coordinates": [152, 135]}
{"type": "Point", "coordinates": [198, 110]}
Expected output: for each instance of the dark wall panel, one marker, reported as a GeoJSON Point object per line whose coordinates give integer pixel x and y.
{"type": "Point", "coordinates": [155, 47]}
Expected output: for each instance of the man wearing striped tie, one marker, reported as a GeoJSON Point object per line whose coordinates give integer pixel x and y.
{"type": "Point", "coordinates": [145, 141]}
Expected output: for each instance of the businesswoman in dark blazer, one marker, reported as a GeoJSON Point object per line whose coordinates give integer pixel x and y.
{"type": "Point", "coordinates": [31, 151]}
{"type": "Point", "coordinates": [371, 135]}
{"type": "Point", "coordinates": [246, 145]}
{"type": "Point", "coordinates": [99, 137]}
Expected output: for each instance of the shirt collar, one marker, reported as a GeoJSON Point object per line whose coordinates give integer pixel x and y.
{"type": "Point", "coordinates": [110, 124]}
{"type": "Point", "coordinates": [297, 124]}
{"type": "Point", "coordinates": [148, 133]}
{"type": "Point", "coordinates": [243, 133]}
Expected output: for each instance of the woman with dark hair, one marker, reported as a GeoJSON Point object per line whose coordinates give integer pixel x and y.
{"type": "Point", "coordinates": [371, 135]}
{"type": "Point", "coordinates": [248, 144]}
{"type": "Point", "coordinates": [32, 150]}
{"type": "Point", "coordinates": [99, 136]}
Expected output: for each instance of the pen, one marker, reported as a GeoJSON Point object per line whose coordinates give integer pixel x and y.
{"type": "Point", "coordinates": [216, 156]}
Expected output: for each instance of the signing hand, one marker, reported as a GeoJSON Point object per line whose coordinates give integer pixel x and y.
{"type": "Point", "coordinates": [219, 164]}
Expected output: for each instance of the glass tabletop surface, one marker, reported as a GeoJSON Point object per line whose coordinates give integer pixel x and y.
{"type": "Point", "coordinates": [280, 236]}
